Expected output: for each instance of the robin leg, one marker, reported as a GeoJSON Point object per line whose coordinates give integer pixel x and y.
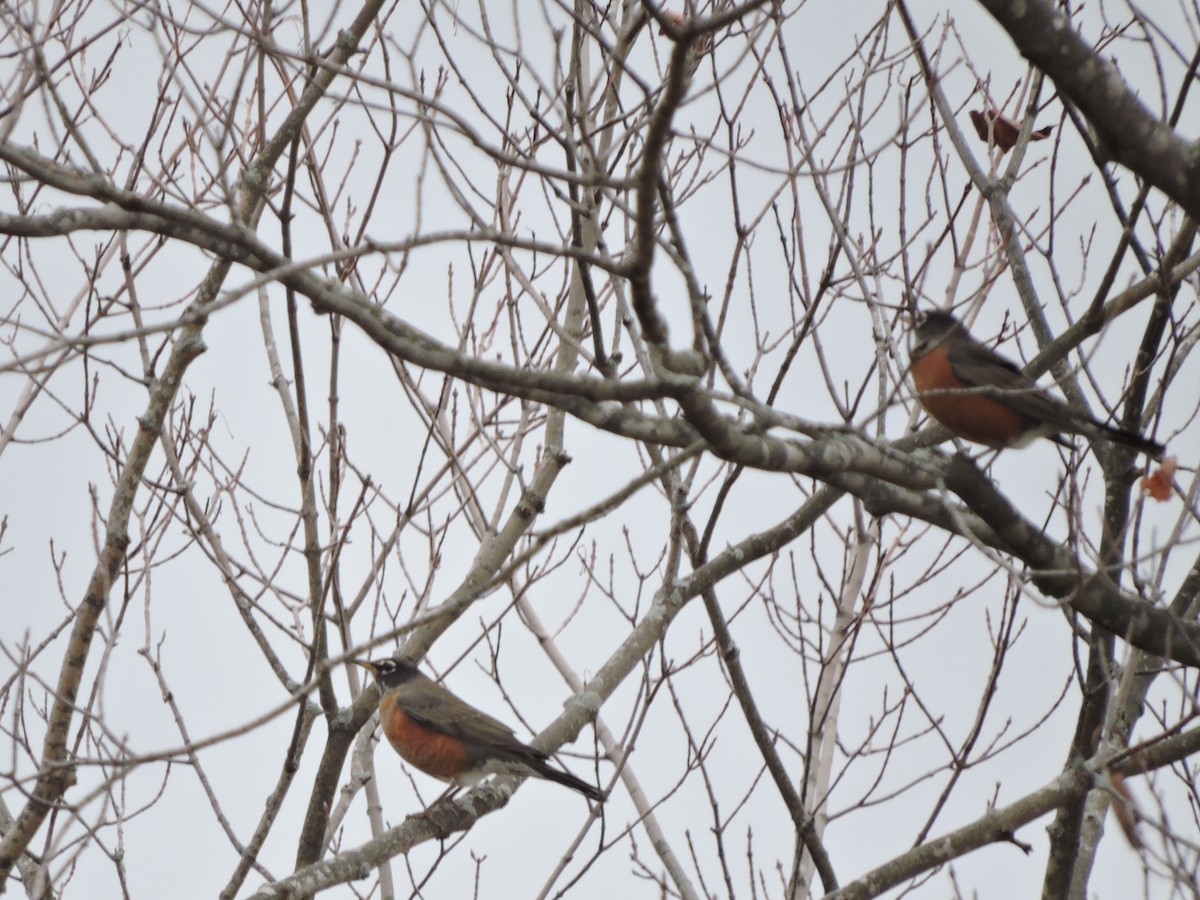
{"type": "Point", "coordinates": [441, 798]}
{"type": "Point", "coordinates": [433, 811]}
{"type": "Point", "coordinates": [984, 458]}
{"type": "Point", "coordinates": [446, 795]}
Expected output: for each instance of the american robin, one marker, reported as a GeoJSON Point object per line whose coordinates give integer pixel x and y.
{"type": "Point", "coordinates": [452, 740]}
{"type": "Point", "coordinates": [985, 398]}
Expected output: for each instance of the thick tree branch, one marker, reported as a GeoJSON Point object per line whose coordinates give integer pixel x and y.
{"type": "Point", "coordinates": [1132, 135]}
{"type": "Point", "coordinates": [1057, 573]}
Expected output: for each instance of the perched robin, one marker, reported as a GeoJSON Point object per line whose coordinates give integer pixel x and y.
{"type": "Point", "coordinates": [1001, 130]}
{"type": "Point", "coordinates": [452, 740]}
{"type": "Point", "coordinates": [985, 398]}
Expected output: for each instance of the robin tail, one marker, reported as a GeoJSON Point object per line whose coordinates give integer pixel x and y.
{"type": "Point", "coordinates": [1153, 449]}
{"type": "Point", "coordinates": [565, 778]}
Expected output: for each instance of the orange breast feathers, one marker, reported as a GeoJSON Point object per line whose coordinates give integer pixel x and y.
{"type": "Point", "coordinates": [965, 411]}
{"type": "Point", "coordinates": [439, 755]}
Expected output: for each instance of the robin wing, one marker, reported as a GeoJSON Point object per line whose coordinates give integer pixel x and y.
{"type": "Point", "coordinates": [976, 366]}
{"type": "Point", "coordinates": [428, 703]}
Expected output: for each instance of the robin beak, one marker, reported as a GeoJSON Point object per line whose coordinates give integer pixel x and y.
{"type": "Point", "coordinates": [370, 667]}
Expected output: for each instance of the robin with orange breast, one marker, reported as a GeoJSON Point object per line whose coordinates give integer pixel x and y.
{"type": "Point", "coordinates": [985, 398]}
{"type": "Point", "coordinates": [452, 740]}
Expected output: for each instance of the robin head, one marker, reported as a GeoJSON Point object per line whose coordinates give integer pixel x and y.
{"type": "Point", "coordinates": [933, 328]}
{"type": "Point", "coordinates": [389, 672]}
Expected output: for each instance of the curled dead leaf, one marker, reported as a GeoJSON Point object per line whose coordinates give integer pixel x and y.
{"type": "Point", "coordinates": [1158, 483]}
